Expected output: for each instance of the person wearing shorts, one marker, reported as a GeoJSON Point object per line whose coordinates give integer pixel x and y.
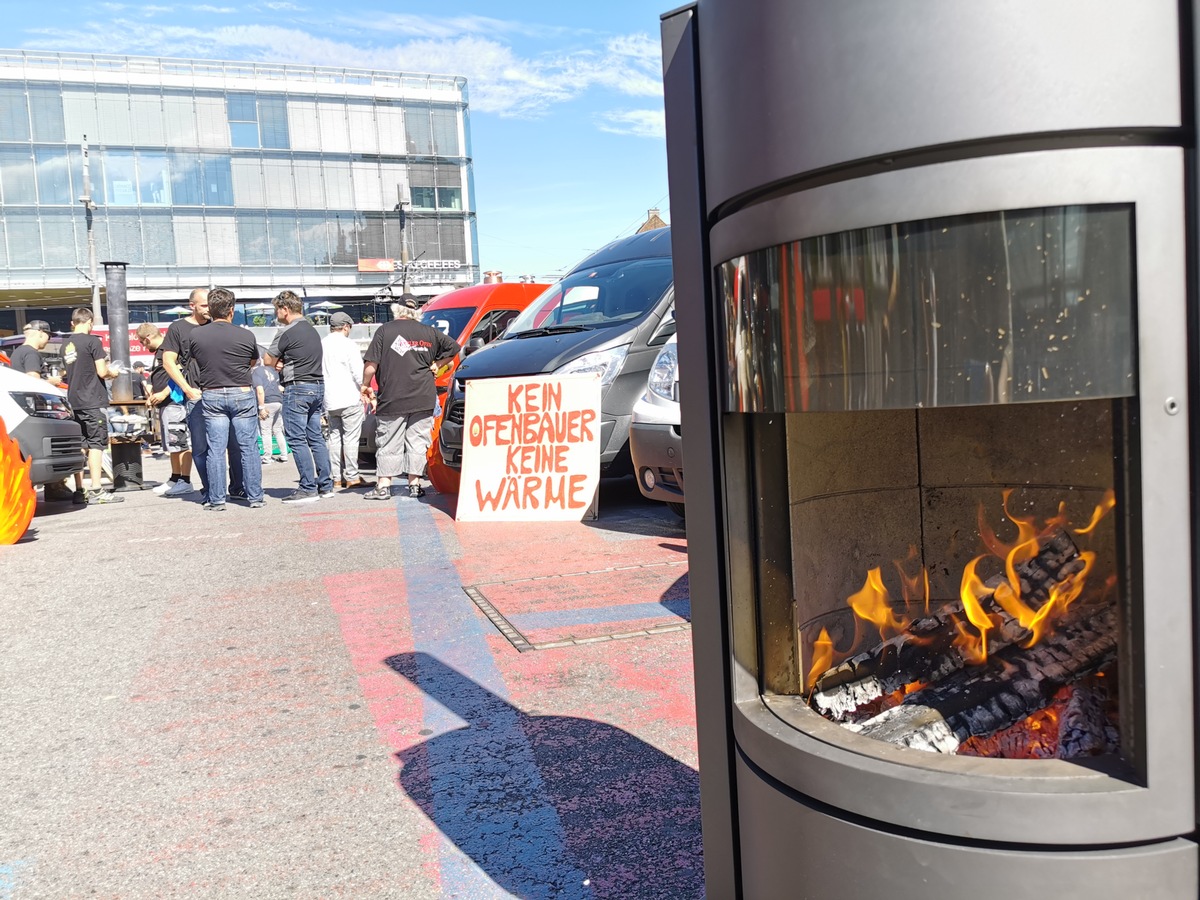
{"type": "Point", "coordinates": [173, 426]}
{"type": "Point", "coordinates": [87, 370]}
{"type": "Point", "coordinates": [402, 357]}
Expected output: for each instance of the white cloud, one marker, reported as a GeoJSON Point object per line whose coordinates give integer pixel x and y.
{"type": "Point", "coordinates": [205, 8]}
{"type": "Point", "coordinates": [283, 6]}
{"type": "Point", "coordinates": [500, 80]}
{"type": "Point", "coordinates": [648, 123]}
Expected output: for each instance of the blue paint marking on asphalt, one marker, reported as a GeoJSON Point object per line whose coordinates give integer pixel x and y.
{"type": "Point", "coordinates": [488, 794]}
{"type": "Point", "coordinates": [8, 877]}
{"type": "Point", "coordinates": [594, 616]}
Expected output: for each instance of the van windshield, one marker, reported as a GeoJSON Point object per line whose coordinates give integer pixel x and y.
{"type": "Point", "coordinates": [599, 297]}
{"type": "Point", "coordinates": [450, 320]}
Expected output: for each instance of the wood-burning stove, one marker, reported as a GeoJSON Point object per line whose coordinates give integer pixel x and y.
{"type": "Point", "coordinates": [946, 377]}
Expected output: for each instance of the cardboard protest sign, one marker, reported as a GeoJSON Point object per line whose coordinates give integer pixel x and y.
{"type": "Point", "coordinates": [531, 449]}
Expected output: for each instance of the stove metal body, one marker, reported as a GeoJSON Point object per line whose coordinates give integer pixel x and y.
{"type": "Point", "coordinates": [844, 392]}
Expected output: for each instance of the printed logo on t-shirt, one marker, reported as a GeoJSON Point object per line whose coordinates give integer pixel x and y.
{"type": "Point", "coordinates": [401, 346]}
{"type": "Point", "coordinates": [69, 352]}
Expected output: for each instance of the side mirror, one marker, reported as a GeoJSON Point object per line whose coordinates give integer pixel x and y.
{"type": "Point", "coordinates": [473, 344]}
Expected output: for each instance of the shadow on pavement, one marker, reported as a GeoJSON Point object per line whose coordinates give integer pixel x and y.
{"type": "Point", "coordinates": [551, 806]}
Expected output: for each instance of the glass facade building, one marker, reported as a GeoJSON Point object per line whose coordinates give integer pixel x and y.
{"type": "Point", "coordinates": [253, 176]}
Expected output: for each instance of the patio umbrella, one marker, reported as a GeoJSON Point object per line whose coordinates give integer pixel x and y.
{"type": "Point", "coordinates": [325, 305]}
{"type": "Point", "coordinates": [258, 307]}
{"type": "Point", "coordinates": [177, 311]}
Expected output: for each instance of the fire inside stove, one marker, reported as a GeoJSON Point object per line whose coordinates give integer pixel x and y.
{"type": "Point", "coordinates": [1021, 665]}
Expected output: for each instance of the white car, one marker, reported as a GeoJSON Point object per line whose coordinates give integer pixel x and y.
{"type": "Point", "coordinates": [655, 440]}
{"type": "Point", "coordinates": [37, 417]}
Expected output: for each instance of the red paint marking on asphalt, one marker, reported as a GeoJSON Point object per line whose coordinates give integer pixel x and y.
{"type": "Point", "coordinates": [589, 590]}
{"type": "Point", "coordinates": [372, 610]}
{"type": "Point", "coordinates": [349, 526]}
{"type": "Point", "coordinates": [489, 553]}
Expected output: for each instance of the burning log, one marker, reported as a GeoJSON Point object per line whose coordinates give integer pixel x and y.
{"type": "Point", "coordinates": [925, 651]}
{"type": "Point", "coordinates": [1012, 685]}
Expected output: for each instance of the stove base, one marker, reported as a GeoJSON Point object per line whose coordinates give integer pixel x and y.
{"type": "Point", "coordinates": [793, 847]}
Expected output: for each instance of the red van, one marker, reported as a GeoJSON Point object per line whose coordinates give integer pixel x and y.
{"type": "Point", "coordinates": [481, 311]}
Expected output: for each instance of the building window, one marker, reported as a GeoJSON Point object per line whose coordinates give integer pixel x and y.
{"type": "Point", "coordinates": [285, 247]}
{"type": "Point", "coordinates": [58, 237]}
{"type": "Point", "coordinates": [120, 178]}
{"type": "Point", "coordinates": [16, 177]}
{"type": "Point", "coordinates": [159, 238]}
{"type": "Point", "coordinates": [273, 123]}
{"type": "Point", "coordinates": [424, 198]}
{"type": "Point", "coordinates": [445, 131]}
{"type": "Point", "coordinates": [14, 113]}
{"type": "Point", "coordinates": [46, 113]}
{"type": "Point", "coordinates": [449, 198]}
{"type": "Point", "coordinates": [24, 240]}
{"type": "Point", "coordinates": [418, 137]}
{"type": "Point", "coordinates": [243, 120]}
{"type": "Point", "coordinates": [252, 239]}
{"type": "Point", "coordinates": [154, 181]}
{"type": "Point", "coordinates": [53, 176]}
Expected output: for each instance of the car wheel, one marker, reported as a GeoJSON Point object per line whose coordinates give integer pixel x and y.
{"type": "Point", "coordinates": [676, 508]}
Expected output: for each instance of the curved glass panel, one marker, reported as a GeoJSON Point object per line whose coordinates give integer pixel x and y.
{"type": "Point", "coordinates": [953, 573]}
{"type": "Point", "coordinates": [1001, 307]}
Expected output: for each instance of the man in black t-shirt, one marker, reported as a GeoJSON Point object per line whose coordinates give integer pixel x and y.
{"type": "Point", "coordinates": [224, 354]}
{"type": "Point", "coordinates": [402, 357]}
{"type": "Point", "coordinates": [298, 346]}
{"type": "Point", "coordinates": [87, 370]}
{"type": "Point", "coordinates": [27, 358]}
{"type": "Point", "coordinates": [177, 360]}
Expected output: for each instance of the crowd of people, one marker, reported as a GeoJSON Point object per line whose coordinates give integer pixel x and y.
{"type": "Point", "coordinates": [226, 408]}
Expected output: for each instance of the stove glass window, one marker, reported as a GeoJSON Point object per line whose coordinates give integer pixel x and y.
{"type": "Point", "coordinates": [949, 407]}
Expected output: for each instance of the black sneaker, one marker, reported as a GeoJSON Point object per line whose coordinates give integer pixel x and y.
{"type": "Point", "coordinates": [415, 490]}
{"type": "Point", "coordinates": [257, 504]}
{"type": "Point", "coordinates": [238, 495]}
{"type": "Point", "coordinates": [79, 497]}
{"type": "Point", "coordinates": [103, 496]}
{"type": "Point", "coordinates": [53, 493]}
{"type": "Point", "coordinates": [299, 496]}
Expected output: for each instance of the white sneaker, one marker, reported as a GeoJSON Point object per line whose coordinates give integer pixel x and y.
{"type": "Point", "coordinates": [179, 489]}
{"type": "Point", "coordinates": [164, 487]}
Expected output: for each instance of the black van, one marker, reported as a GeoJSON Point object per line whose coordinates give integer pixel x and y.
{"type": "Point", "coordinates": [610, 314]}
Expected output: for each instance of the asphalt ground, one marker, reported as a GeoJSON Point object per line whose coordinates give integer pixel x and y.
{"type": "Point", "coordinates": [346, 699]}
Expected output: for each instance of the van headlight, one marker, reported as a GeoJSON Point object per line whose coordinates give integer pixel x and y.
{"type": "Point", "coordinates": [664, 374]}
{"type": "Point", "coordinates": [606, 362]}
{"type": "Point", "coordinates": [44, 406]}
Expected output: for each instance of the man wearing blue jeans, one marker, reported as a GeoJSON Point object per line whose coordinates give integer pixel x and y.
{"type": "Point", "coordinates": [298, 347]}
{"type": "Point", "coordinates": [181, 368]}
{"type": "Point", "coordinates": [224, 354]}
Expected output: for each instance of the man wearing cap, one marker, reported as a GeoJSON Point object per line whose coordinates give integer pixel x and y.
{"type": "Point", "coordinates": [342, 367]}
{"type": "Point", "coordinates": [28, 358]}
{"type": "Point", "coordinates": [403, 356]}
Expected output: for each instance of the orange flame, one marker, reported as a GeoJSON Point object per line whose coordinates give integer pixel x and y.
{"type": "Point", "coordinates": [1109, 501]}
{"type": "Point", "coordinates": [17, 499]}
{"type": "Point", "coordinates": [822, 654]}
{"type": "Point", "coordinates": [972, 591]}
{"type": "Point", "coordinates": [872, 604]}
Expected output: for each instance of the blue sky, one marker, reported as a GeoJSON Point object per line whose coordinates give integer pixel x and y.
{"type": "Point", "coordinates": [565, 97]}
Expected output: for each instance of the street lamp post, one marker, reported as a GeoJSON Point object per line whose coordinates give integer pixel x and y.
{"type": "Point", "coordinates": [403, 240]}
{"type": "Point", "coordinates": [88, 208]}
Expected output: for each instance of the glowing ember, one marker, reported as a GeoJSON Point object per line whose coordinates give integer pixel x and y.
{"type": "Point", "coordinates": [17, 498]}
